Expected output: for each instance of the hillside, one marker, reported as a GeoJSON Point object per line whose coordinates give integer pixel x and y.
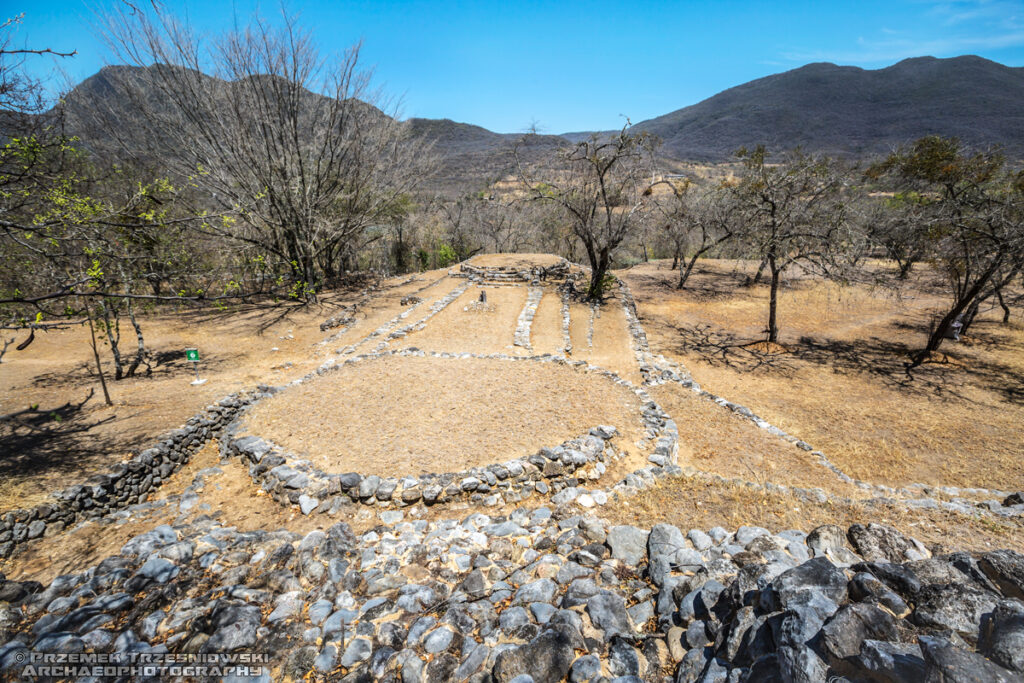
{"type": "Point", "coordinates": [852, 111]}
{"type": "Point", "coordinates": [821, 107]}
{"type": "Point", "coordinates": [469, 156]}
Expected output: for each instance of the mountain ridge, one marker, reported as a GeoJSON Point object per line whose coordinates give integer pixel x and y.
{"type": "Point", "coordinates": [821, 107]}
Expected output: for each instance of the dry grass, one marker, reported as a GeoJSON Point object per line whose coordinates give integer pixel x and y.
{"type": "Point", "coordinates": [695, 503]}
{"type": "Point", "coordinates": [456, 329]}
{"type": "Point", "coordinates": [546, 331]}
{"type": "Point", "coordinates": [720, 442]}
{"type": "Point", "coordinates": [396, 416]}
{"type": "Point", "coordinates": [230, 496]}
{"type": "Point", "coordinates": [843, 386]}
{"type": "Point", "coordinates": [240, 348]}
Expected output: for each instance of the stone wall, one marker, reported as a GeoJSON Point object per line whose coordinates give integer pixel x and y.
{"type": "Point", "coordinates": [566, 472]}
{"type": "Point", "coordinates": [127, 483]}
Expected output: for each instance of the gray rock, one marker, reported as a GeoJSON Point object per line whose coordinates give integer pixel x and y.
{"type": "Point", "coordinates": [542, 612]}
{"type": "Point", "coordinates": [628, 543]}
{"type": "Point", "coordinates": [696, 634]}
{"type": "Point", "coordinates": [368, 487]}
{"type": "Point", "coordinates": [746, 534]}
{"type": "Point", "coordinates": [320, 610]}
{"type": "Point", "coordinates": [514, 617]}
{"type": "Point", "coordinates": [701, 541]}
{"type": "Point", "coordinates": [307, 504]}
{"type": "Point", "coordinates": [864, 585]}
{"type": "Point", "coordinates": [1005, 568]}
{"type": "Point", "coordinates": [800, 664]}
{"type": "Point", "coordinates": [946, 663]}
{"type": "Point", "coordinates": [547, 659]}
{"type": "Point", "coordinates": [607, 612]}
{"type": "Point", "coordinates": [357, 650]}
{"type": "Point", "coordinates": [579, 592]}
{"type": "Point", "coordinates": [327, 659]}
{"type": "Point", "coordinates": [1002, 635]}
{"type": "Point", "coordinates": [472, 662]}
{"type": "Point", "coordinates": [438, 640]}
{"type": "Point", "coordinates": [624, 659]}
{"type": "Point", "coordinates": [233, 636]}
{"type": "Point", "coordinates": [541, 590]}
{"type": "Point", "coordinates": [585, 668]}
{"type": "Point", "coordinates": [843, 634]}
{"type": "Point", "coordinates": [879, 542]}
{"type": "Point", "coordinates": [890, 662]}
{"type": "Point", "coordinates": [830, 541]}
{"type": "Point", "coordinates": [817, 575]}
{"type": "Point", "coordinates": [958, 607]}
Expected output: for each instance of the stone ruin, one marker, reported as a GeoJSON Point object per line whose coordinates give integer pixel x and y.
{"type": "Point", "coordinates": [542, 592]}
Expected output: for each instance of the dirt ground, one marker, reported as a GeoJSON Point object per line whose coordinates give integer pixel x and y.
{"type": "Point", "coordinates": [397, 416]}
{"type": "Point", "coordinates": [843, 386]}
{"type": "Point", "coordinates": [239, 347]}
{"type": "Point", "coordinates": [546, 330]}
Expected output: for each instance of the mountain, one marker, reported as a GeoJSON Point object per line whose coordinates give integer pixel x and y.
{"type": "Point", "coordinates": [472, 156]}
{"type": "Point", "coordinates": [469, 156]}
{"type": "Point", "coordinates": [854, 112]}
{"type": "Point", "coordinates": [821, 107]}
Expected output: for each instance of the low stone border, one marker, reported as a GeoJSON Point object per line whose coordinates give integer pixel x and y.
{"type": "Point", "coordinates": [660, 370]}
{"type": "Point", "coordinates": [525, 321]}
{"type": "Point", "coordinates": [292, 480]}
{"type": "Point", "coordinates": [128, 482]}
{"type": "Point", "coordinates": [435, 308]}
{"type": "Point", "coordinates": [502, 274]}
{"type": "Point", "coordinates": [566, 320]}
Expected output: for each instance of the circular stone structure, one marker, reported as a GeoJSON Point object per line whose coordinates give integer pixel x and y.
{"type": "Point", "coordinates": [408, 415]}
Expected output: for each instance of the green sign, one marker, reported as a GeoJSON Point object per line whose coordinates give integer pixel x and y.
{"type": "Point", "coordinates": [192, 355]}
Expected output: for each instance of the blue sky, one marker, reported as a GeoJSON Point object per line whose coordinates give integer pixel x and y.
{"type": "Point", "coordinates": [569, 65]}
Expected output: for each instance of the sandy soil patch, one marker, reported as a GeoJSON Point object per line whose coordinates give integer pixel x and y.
{"type": "Point", "coordinates": [612, 347]}
{"type": "Point", "coordinates": [546, 332]}
{"type": "Point", "coordinates": [393, 416]}
{"type": "Point", "coordinates": [240, 348]}
{"type": "Point", "coordinates": [720, 442]}
{"type": "Point", "coordinates": [490, 330]}
{"type": "Point", "coordinates": [579, 326]}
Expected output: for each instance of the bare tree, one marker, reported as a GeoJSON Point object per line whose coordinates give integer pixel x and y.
{"type": "Point", "coordinates": [599, 184]}
{"type": "Point", "coordinates": [792, 212]}
{"type": "Point", "coordinates": [696, 220]}
{"type": "Point", "coordinates": [289, 141]}
{"type": "Point", "coordinates": [971, 222]}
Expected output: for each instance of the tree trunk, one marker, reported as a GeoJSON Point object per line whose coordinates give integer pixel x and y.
{"type": "Point", "coordinates": [939, 333]}
{"type": "Point", "coordinates": [684, 272]}
{"type": "Point", "coordinates": [141, 355]}
{"type": "Point", "coordinates": [751, 281]}
{"type": "Point", "coordinates": [599, 262]}
{"type": "Point", "coordinates": [96, 356]}
{"type": "Point", "coordinates": [113, 330]}
{"type": "Point", "coordinates": [972, 312]}
{"type": "Point", "coordinates": [773, 299]}
{"type": "Point", "coordinates": [1002, 304]}
{"type": "Point", "coordinates": [905, 266]}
